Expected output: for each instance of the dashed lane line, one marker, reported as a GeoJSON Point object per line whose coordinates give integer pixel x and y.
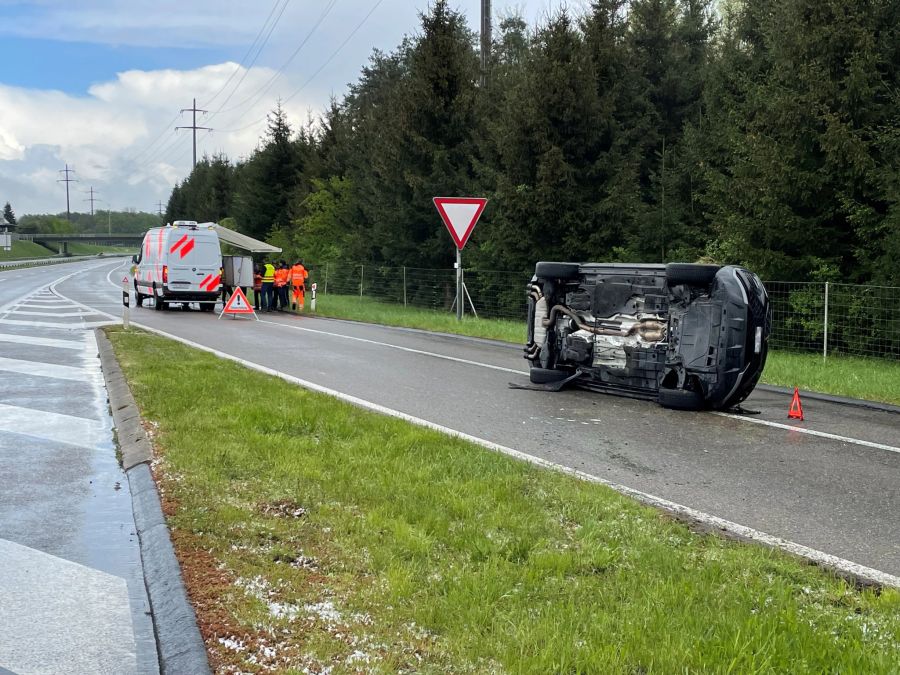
{"type": "Point", "coordinates": [397, 347]}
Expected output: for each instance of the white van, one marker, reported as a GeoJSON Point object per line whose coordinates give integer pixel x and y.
{"type": "Point", "coordinates": [179, 263]}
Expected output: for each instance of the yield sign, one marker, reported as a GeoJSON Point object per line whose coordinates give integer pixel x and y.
{"type": "Point", "coordinates": [460, 215]}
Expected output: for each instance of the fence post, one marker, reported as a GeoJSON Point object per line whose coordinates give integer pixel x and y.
{"type": "Point", "coordinates": [404, 285]}
{"type": "Point", "coordinates": [825, 336]}
{"type": "Point", "coordinates": [325, 289]}
{"type": "Point", "coordinates": [362, 274]}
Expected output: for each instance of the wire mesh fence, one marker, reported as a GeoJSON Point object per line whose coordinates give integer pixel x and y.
{"type": "Point", "coordinates": [835, 318]}
{"type": "Point", "coordinates": [828, 318]}
{"type": "Point", "coordinates": [489, 294]}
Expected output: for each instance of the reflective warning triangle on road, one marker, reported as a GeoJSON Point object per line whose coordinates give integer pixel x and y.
{"type": "Point", "coordinates": [237, 304]}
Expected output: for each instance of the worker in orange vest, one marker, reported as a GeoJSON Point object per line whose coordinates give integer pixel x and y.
{"type": "Point", "coordinates": [297, 277]}
{"type": "Point", "coordinates": [281, 284]}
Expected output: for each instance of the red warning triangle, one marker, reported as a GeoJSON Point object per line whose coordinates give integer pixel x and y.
{"type": "Point", "coordinates": [237, 304]}
{"type": "Point", "coordinates": [796, 411]}
{"type": "Point", "coordinates": [460, 214]}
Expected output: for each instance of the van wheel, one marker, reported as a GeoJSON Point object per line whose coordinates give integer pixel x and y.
{"type": "Point", "coordinates": [158, 303]}
{"type": "Point", "coordinates": [207, 306]}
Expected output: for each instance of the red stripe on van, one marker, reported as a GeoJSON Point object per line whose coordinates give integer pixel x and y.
{"type": "Point", "coordinates": [187, 248]}
{"type": "Point", "coordinates": [214, 284]}
{"type": "Point", "coordinates": [178, 243]}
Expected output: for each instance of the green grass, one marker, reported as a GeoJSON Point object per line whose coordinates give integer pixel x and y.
{"type": "Point", "coordinates": [869, 379]}
{"type": "Point", "coordinates": [25, 250]}
{"type": "Point", "coordinates": [339, 538]}
{"type": "Point", "coordinates": [80, 248]}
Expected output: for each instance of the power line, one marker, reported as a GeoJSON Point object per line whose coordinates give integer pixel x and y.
{"type": "Point", "coordinates": [259, 93]}
{"type": "Point", "coordinates": [166, 128]}
{"type": "Point", "coordinates": [91, 199]}
{"type": "Point", "coordinates": [244, 57]}
{"type": "Point", "coordinates": [315, 74]}
{"type": "Point", "coordinates": [67, 180]}
{"type": "Point", "coordinates": [194, 127]}
{"type": "Point", "coordinates": [250, 65]}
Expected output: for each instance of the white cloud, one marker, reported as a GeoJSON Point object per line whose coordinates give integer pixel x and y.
{"type": "Point", "coordinates": [118, 139]}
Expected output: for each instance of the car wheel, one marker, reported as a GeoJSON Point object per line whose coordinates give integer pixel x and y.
{"type": "Point", "coordinates": [556, 270]}
{"type": "Point", "coordinates": [546, 375]}
{"type": "Point", "coordinates": [158, 303]}
{"type": "Point", "coordinates": [692, 275]}
{"type": "Point", "coordinates": [207, 306]}
{"type": "Point", "coordinates": [680, 399]}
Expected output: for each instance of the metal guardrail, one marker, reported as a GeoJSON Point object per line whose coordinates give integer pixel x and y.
{"type": "Point", "coordinates": [42, 262]}
{"type": "Point", "coordinates": [824, 317]}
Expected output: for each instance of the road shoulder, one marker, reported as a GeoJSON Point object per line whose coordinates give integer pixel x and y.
{"type": "Point", "coordinates": [181, 648]}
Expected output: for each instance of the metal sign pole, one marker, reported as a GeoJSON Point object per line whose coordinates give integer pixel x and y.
{"type": "Point", "coordinates": [459, 291]}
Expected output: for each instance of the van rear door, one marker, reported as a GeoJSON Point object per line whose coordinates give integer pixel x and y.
{"type": "Point", "coordinates": [195, 261]}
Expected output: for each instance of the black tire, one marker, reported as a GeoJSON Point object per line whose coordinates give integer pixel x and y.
{"type": "Point", "coordinates": [207, 306]}
{"type": "Point", "coordinates": [680, 399]}
{"type": "Point", "coordinates": [692, 275]}
{"type": "Point", "coordinates": [556, 270]}
{"type": "Point", "coordinates": [158, 303]}
{"type": "Point", "coordinates": [546, 375]}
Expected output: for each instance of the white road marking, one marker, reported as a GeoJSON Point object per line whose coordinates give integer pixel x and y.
{"type": "Point", "coordinates": [41, 305]}
{"type": "Point", "coordinates": [59, 616]}
{"type": "Point", "coordinates": [811, 432]}
{"type": "Point", "coordinates": [78, 325]}
{"type": "Point", "coordinates": [80, 312]}
{"type": "Point", "coordinates": [41, 369]}
{"type": "Point", "coordinates": [398, 347]}
{"type": "Point", "coordinates": [42, 341]}
{"type": "Point", "coordinates": [55, 427]}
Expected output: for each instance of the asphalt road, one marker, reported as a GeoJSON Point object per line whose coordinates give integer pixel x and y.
{"type": "Point", "coordinates": [837, 496]}
{"type": "Point", "coordinates": [72, 595]}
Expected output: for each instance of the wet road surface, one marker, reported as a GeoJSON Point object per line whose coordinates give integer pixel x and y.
{"type": "Point", "coordinates": [838, 495]}
{"type": "Point", "coordinates": [72, 587]}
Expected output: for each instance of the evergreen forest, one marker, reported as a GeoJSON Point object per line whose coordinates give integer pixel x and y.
{"type": "Point", "coordinates": [759, 132]}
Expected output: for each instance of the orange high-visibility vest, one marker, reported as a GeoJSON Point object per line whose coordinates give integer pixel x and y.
{"type": "Point", "coordinates": [281, 277]}
{"type": "Point", "coordinates": [298, 275]}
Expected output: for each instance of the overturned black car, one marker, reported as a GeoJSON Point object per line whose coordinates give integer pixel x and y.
{"type": "Point", "coordinates": [687, 336]}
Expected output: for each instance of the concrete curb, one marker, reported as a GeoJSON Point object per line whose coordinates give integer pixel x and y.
{"type": "Point", "coordinates": [178, 641]}
{"type": "Point", "coordinates": [842, 400]}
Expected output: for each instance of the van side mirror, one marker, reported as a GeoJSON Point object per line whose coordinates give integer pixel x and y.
{"type": "Point", "coordinates": [134, 259]}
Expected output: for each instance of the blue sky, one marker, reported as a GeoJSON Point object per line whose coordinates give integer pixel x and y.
{"type": "Point", "coordinates": [98, 83]}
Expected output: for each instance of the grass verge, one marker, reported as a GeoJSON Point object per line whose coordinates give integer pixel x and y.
{"type": "Point", "coordinates": [314, 535]}
{"type": "Point", "coordinates": [25, 250]}
{"type": "Point", "coordinates": [869, 379]}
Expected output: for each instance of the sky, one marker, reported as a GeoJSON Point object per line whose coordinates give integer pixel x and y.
{"type": "Point", "coordinates": [98, 85]}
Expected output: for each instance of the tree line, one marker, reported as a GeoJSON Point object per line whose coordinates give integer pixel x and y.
{"type": "Point", "coordinates": [758, 132]}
